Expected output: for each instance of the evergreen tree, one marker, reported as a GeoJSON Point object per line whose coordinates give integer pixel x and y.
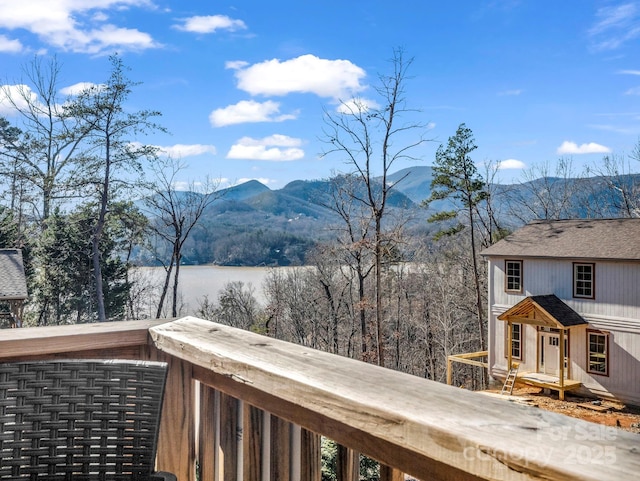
{"type": "Point", "coordinates": [457, 179]}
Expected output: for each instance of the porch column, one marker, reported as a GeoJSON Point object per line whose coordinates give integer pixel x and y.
{"type": "Point", "coordinates": [561, 370]}
{"type": "Point", "coordinates": [509, 345]}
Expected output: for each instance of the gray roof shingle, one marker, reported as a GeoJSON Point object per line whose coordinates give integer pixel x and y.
{"type": "Point", "coordinates": [605, 239]}
{"type": "Point", "coordinates": [13, 283]}
{"type": "Point", "coordinates": [559, 310]}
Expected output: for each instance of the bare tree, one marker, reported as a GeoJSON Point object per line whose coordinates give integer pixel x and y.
{"type": "Point", "coordinates": [545, 194]}
{"type": "Point", "coordinates": [621, 196]}
{"type": "Point", "coordinates": [41, 154]}
{"type": "Point", "coordinates": [174, 214]}
{"type": "Point", "coordinates": [372, 140]}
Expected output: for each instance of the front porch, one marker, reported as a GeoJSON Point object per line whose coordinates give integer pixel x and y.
{"type": "Point", "coordinates": [553, 320]}
{"type": "Point", "coordinates": [547, 381]}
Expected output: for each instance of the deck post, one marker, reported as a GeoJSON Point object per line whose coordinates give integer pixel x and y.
{"type": "Point", "coordinates": [561, 367]}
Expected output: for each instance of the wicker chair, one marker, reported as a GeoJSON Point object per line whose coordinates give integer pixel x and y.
{"type": "Point", "coordinates": [80, 420]}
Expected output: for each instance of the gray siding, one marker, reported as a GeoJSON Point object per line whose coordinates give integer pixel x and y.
{"type": "Point", "coordinates": [615, 309]}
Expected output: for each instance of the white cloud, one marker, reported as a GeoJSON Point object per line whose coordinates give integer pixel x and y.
{"type": "Point", "coordinates": [511, 164]}
{"type": "Point", "coordinates": [275, 148]}
{"type": "Point", "coordinates": [210, 23]}
{"type": "Point", "coordinates": [16, 96]}
{"type": "Point", "coordinates": [357, 105]}
{"type": "Point", "coordinates": [615, 128]}
{"type": "Point", "coordinates": [80, 87]}
{"type": "Point", "coordinates": [629, 72]}
{"type": "Point", "coordinates": [262, 180]}
{"type": "Point", "coordinates": [186, 150]}
{"type": "Point", "coordinates": [590, 148]}
{"type": "Point", "coordinates": [235, 64]}
{"type": "Point", "coordinates": [178, 151]}
{"type": "Point", "coordinates": [8, 45]}
{"type": "Point", "coordinates": [305, 74]}
{"type": "Point", "coordinates": [510, 93]}
{"type": "Point", "coordinates": [633, 91]}
{"type": "Point", "coordinates": [615, 26]}
{"type": "Point", "coordinates": [76, 25]}
{"type": "Point", "coordinates": [247, 111]}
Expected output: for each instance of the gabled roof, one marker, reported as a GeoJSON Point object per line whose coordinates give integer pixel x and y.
{"type": "Point", "coordinates": [604, 239]}
{"type": "Point", "coordinates": [13, 283]}
{"type": "Point", "coordinates": [547, 310]}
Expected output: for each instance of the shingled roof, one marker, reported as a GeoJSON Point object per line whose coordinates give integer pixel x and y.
{"type": "Point", "coordinates": [604, 239]}
{"type": "Point", "coordinates": [548, 310]}
{"type": "Point", "coordinates": [13, 283]}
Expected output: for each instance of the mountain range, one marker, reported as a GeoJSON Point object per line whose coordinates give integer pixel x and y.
{"type": "Point", "coordinates": [251, 224]}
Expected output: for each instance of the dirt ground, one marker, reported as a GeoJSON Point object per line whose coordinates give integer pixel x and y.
{"type": "Point", "coordinates": [608, 412]}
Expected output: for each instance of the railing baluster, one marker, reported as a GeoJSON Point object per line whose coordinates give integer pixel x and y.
{"type": "Point", "coordinates": [296, 452]}
{"type": "Point", "coordinates": [347, 464]}
{"type": "Point", "coordinates": [228, 437]}
{"type": "Point", "coordinates": [280, 449]}
{"type": "Point", "coordinates": [253, 439]}
{"type": "Point", "coordinates": [390, 474]}
{"type": "Point", "coordinates": [311, 462]}
{"type": "Point", "coordinates": [266, 446]}
{"type": "Point", "coordinates": [208, 434]}
{"type": "Point", "coordinates": [239, 440]}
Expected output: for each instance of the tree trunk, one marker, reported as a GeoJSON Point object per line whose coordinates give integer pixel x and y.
{"type": "Point", "coordinates": [378, 261]}
{"type": "Point", "coordinates": [97, 235]}
{"type": "Point", "coordinates": [165, 288]}
{"type": "Point", "coordinates": [174, 304]}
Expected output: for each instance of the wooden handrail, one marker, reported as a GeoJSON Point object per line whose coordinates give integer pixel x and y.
{"type": "Point", "coordinates": [427, 429]}
{"type": "Point", "coordinates": [259, 385]}
{"type": "Point", "coordinates": [25, 343]}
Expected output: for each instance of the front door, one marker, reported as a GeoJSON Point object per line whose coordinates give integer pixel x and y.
{"type": "Point", "coordinates": [549, 353]}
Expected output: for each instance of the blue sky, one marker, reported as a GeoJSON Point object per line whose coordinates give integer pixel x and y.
{"type": "Point", "coordinates": [242, 86]}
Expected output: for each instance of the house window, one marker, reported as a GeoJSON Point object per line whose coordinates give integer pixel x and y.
{"type": "Point", "coordinates": [584, 280]}
{"type": "Point", "coordinates": [516, 341]}
{"type": "Point", "coordinates": [598, 352]}
{"type": "Point", "coordinates": [513, 271]}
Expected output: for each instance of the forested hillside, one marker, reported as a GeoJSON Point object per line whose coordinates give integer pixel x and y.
{"type": "Point", "coordinates": [251, 225]}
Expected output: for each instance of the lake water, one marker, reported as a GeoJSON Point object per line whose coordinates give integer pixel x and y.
{"type": "Point", "coordinates": [199, 281]}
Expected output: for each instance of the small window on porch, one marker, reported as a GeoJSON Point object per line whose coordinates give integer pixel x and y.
{"type": "Point", "coordinates": [513, 276]}
{"type": "Point", "coordinates": [584, 280]}
{"type": "Point", "coordinates": [516, 341]}
{"type": "Point", "coordinates": [598, 352]}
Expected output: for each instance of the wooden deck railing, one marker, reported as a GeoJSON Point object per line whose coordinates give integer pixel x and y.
{"type": "Point", "coordinates": [240, 406]}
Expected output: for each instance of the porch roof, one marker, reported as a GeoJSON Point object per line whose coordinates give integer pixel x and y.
{"type": "Point", "coordinates": [545, 310]}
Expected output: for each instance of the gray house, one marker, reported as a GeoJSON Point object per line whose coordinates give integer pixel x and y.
{"type": "Point", "coordinates": [564, 304]}
{"type": "Point", "coordinates": [13, 287]}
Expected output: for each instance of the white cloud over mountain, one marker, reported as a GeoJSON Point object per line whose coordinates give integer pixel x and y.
{"type": "Point", "coordinates": [304, 74]}
{"type": "Point", "coordinates": [247, 111]}
{"type": "Point", "coordinates": [511, 164]}
{"type": "Point", "coordinates": [590, 148]}
{"type": "Point", "coordinates": [275, 148]}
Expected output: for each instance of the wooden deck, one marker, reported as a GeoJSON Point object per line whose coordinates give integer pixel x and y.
{"type": "Point", "coordinates": [243, 406]}
{"type": "Point", "coordinates": [547, 382]}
